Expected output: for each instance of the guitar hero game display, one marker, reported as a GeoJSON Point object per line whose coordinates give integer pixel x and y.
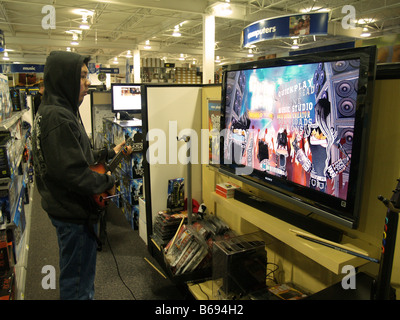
{"type": "Point", "coordinates": [298, 126]}
{"type": "Point", "coordinates": [296, 132]}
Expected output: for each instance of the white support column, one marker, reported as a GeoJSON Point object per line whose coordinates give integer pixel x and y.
{"type": "Point", "coordinates": [208, 48]}
{"type": "Point", "coordinates": [136, 66]}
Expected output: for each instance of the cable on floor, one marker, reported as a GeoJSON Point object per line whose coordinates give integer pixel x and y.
{"type": "Point", "coordinates": [119, 274]}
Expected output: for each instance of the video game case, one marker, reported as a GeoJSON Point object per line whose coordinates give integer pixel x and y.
{"type": "Point", "coordinates": [176, 194]}
{"type": "Point", "coordinates": [226, 189]}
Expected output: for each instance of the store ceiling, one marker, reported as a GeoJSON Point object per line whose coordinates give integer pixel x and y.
{"type": "Point", "coordinates": [118, 26]}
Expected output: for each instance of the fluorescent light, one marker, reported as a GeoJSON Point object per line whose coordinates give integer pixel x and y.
{"type": "Point", "coordinates": [223, 9]}
{"type": "Point", "coordinates": [82, 12]}
{"type": "Point", "coordinates": [84, 26]}
{"type": "Point", "coordinates": [74, 31]}
{"type": "Point", "coordinates": [365, 33]}
{"type": "Point", "coordinates": [74, 41]}
{"type": "Point", "coordinates": [147, 45]}
{"type": "Point", "coordinates": [176, 32]}
{"type": "Point", "coordinates": [365, 20]}
{"type": "Point", "coordinates": [315, 9]}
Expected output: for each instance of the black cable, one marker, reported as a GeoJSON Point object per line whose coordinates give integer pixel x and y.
{"type": "Point", "coordinates": [208, 298]}
{"type": "Point", "coordinates": [119, 274]}
{"type": "Point", "coordinates": [272, 272]}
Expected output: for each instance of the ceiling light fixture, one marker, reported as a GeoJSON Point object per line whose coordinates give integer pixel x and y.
{"type": "Point", "coordinates": [176, 32]}
{"type": "Point", "coordinates": [217, 59]}
{"type": "Point", "coordinates": [5, 57]}
{"type": "Point", "coordinates": [182, 57]}
{"type": "Point", "coordinates": [147, 45]}
{"type": "Point", "coordinates": [115, 60]}
{"type": "Point", "coordinates": [74, 41]}
{"type": "Point", "coordinates": [223, 9]}
{"type": "Point", "coordinates": [74, 31]}
{"type": "Point", "coordinates": [365, 33]}
{"type": "Point", "coordinates": [295, 45]}
{"type": "Point", "coordinates": [365, 20]}
{"type": "Point", "coordinates": [84, 25]}
{"type": "Point", "coordinates": [250, 54]}
{"type": "Point", "coordinates": [314, 9]}
{"type": "Point", "coordinates": [129, 54]}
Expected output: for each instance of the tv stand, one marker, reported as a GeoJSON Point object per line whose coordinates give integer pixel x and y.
{"type": "Point", "coordinates": [363, 291]}
{"type": "Point", "coordinates": [313, 226]}
{"type": "Point", "coordinates": [236, 212]}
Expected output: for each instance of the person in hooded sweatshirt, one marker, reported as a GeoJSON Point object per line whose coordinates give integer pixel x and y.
{"type": "Point", "coordinates": [62, 156]}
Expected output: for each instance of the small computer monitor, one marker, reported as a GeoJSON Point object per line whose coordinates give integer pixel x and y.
{"type": "Point", "coordinates": [126, 97]}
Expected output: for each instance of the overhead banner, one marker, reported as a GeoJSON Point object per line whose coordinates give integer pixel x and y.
{"type": "Point", "coordinates": [300, 25]}
{"type": "Point", "coordinates": [2, 44]}
{"type": "Point", "coordinates": [22, 68]}
{"type": "Point", "coordinates": [109, 70]}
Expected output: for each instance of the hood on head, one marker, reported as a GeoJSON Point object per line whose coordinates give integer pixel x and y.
{"type": "Point", "coordinates": [62, 74]}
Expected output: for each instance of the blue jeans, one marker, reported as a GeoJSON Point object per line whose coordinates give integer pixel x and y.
{"type": "Point", "coordinates": [78, 251]}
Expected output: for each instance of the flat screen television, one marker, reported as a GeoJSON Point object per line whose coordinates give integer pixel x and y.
{"type": "Point", "coordinates": [297, 127]}
{"type": "Point", "coordinates": [126, 97]}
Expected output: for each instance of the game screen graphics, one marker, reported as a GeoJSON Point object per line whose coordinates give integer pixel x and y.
{"type": "Point", "coordinates": [295, 122]}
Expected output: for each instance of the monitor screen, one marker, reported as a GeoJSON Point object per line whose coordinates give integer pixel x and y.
{"type": "Point", "coordinates": [297, 126]}
{"type": "Point", "coordinates": [126, 97]}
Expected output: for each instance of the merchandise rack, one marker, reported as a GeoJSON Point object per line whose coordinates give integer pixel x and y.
{"type": "Point", "coordinates": [20, 209]}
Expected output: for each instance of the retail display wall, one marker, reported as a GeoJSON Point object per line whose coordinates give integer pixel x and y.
{"type": "Point", "coordinates": [129, 172]}
{"type": "Point", "coordinates": [309, 266]}
{"type": "Point", "coordinates": [15, 194]}
{"type": "Point", "coordinates": [172, 111]}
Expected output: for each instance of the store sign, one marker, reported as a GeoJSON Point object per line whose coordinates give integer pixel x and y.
{"type": "Point", "coordinates": [22, 68]}
{"type": "Point", "coordinates": [308, 24]}
{"type": "Point", "coordinates": [2, 44]}
{"type": "Point", "coordinates": [109, 70]}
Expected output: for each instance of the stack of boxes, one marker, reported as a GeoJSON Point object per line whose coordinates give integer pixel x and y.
{"type": "Point", "coordinates": [187, 76]}
{"type": "Point", "coordinates": [226, 189]}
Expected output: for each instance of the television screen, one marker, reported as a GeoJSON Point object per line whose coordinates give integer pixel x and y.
{"type": "Point", "coordinates": [297, 125]}
{"type": "Point", "coordinates": [126, 97]}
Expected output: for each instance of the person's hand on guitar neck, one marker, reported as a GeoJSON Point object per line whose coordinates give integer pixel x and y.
{"type": "Point", "coordinates": [111, 191]}
{"type": "Point", "coordinates": [118, 147]}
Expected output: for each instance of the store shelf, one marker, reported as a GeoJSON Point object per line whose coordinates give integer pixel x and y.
{"type": "Point", "coordinates": [331, 259]}
{"type": "Point", "coordinates": [22, 262]}
{"type": "Point", "coordinates": [8, 123]}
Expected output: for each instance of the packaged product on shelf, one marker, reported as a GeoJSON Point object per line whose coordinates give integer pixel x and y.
{"type": "Point", "coordinates": [190, 249]}
{"type": "Point", "coordinates": [226, 189]}
{"type": "Point", "coordinates": [166, 224]}
{"type": "Point", "coordinates": [176, 194]}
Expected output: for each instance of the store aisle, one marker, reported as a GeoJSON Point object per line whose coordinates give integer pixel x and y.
{"type": "Point", "coordinates": [129, 250]}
